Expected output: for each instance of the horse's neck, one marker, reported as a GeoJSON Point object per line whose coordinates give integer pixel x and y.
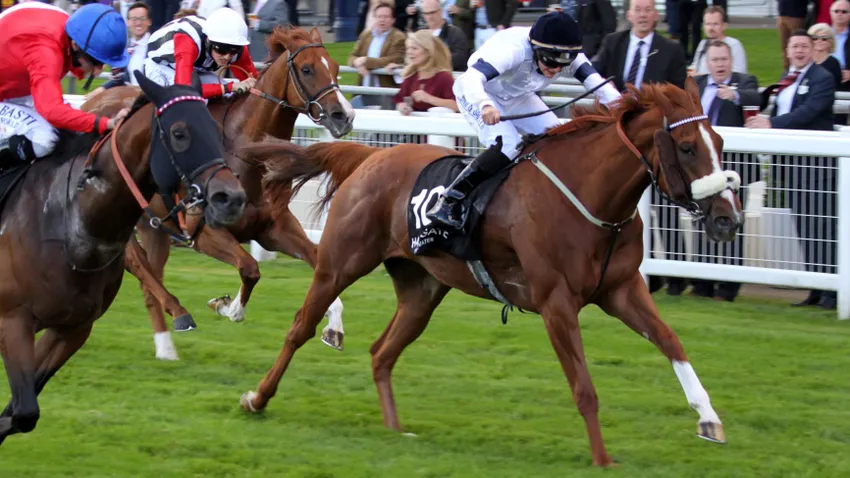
{"type": "Point", "coordinates": [253, 117]}
{"type": "Point", "coordinates": [615, 178]}
{"type": "Point", "coordinates": [108, 210]}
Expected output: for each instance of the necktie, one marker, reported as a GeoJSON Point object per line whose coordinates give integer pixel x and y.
{"type": "Point", "coordinates": [714, 108]}
{"type": "Point", "coordinates": [633, 69]}
{"type": "Point", "coordinates": [789, 80]}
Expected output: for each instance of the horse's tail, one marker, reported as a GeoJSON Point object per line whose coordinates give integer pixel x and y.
{"type": "Point", "coordinates": [290, 166]}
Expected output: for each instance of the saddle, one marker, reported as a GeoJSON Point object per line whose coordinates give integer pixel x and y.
{"type": "Point", "coordinates": [427, 237]}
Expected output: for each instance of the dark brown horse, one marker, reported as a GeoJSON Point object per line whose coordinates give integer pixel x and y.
{"type": "Point", "coordinates": [543, 253]}
{"type": "Point", "coordinates": [300, 78]}
{"type": "Point", "coordinates": [64, 233]}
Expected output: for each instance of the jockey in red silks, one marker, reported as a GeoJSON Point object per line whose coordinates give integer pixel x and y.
{"type": "Point", "coordinates": [192, 44]}
{"type": "Point", "coordinates": [40, 45]}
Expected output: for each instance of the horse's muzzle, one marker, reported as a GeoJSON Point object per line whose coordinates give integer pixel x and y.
{"type": "Point", "coordinates": [722, 228]}
{"type": "Point", "coordinates": [338, 119]}
{"type": "Point", "coordinates": [224, 206]}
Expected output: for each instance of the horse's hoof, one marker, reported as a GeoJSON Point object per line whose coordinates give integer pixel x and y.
{"type": "Point", "coordinates": [332, 338]}
{"type": "Point", "coordinates": [246, 402]}
{"type": "Point", "coordinates": [712, 432]}
{"type": "Point", "coordinates": [220, 305]}
{"type": "Point", "coordinates": [184, 323]}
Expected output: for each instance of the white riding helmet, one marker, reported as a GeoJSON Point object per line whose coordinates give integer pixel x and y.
{"type": "Point", "coordinates": [226, 26]}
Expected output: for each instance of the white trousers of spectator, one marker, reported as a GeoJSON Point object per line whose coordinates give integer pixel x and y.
{"type": "Point", "coordinates": [19, 117]}
{"type": "Point", "coordinates": [164, 75]}
{"type": "Point", "coordinates": [510, 131]}
{"type": "Point", "coordinates": [482, 35]}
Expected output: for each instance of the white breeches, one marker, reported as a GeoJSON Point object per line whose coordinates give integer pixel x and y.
{"type": "Point", "coordinates": [18, 117]}
{"type": "Point", "coordinates": [510, 131]}
{"type": "Point", "coordinates": [164, 75]}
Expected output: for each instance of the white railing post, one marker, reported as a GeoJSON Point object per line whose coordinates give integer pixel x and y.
{"type": "Point", "coordinates": [446, 141]}
{"type": "Point", "coordinates": [644, 206]}
{"type": "Point", "coordinates": [843, 233]}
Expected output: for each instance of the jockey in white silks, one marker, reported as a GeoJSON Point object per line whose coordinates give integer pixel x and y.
{"type": "Point", "coordinates": [193, 44]}
{"type": "Point", "coordinates": [503, 78]}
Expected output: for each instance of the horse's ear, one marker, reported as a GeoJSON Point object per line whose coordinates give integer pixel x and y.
{"type": "Point", "coordinates": [693, 90]}
{"type": "Point", "coordinates": [152, 90]}
{"type": "Point", "coordinates": [315, 36]}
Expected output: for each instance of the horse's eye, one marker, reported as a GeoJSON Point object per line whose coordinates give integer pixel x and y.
{"type": "Point", "coordinates": [687, 149]}
{"type": "Point", "coordinates": [180, 138]}
{"type": "Point", "coordinates": [305, 70]}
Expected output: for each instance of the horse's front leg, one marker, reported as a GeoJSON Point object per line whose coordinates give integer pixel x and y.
{"type": "Point", "coordinates": [17, 334]}
{"type": "Point", "coordinates": [220, 244]}
{"type": "Point", "coordinates": [285, 234]}
{"type": "Point", "coordinates": [632, 304]}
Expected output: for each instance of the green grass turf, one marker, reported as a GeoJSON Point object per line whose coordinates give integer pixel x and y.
{"type": "Point", "coordinates": [484, 399]}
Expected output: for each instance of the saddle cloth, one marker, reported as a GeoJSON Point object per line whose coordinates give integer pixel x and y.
{"type": "Point", "coordinates": [427, 237]}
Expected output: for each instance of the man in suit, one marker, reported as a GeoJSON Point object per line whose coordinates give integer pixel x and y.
{"type": "Point", "coordinates": [639, 55]}
{"type": "Point", "coordinates": [804, 100]}
{"type": "Point", "coordinates": [723, 94]}
{"type": "Point", "coordinates": [452, 36]}
{"type": "Point", "coordinates": [377, 48]}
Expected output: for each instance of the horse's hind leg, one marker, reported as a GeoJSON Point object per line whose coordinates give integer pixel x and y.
{"type": "Point", "coordinates": [220, 244]}
{"type": "Point", "coordinates": [286, 235]}
{"type": "Point", "coordinates": [632, 304]}
{"type": "Point", "coordinates": [51, 352]}
{"type": "Point", "coordinates": [156, 246]}
{"type": "Point", "coordinates": [418, 294]}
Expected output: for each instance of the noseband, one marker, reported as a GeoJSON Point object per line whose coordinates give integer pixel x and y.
{"type": "Point", "coordinates": [307, 100]}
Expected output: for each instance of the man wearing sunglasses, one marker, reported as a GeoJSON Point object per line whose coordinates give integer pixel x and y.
{"type": "Point", "coordinates": [40, 45]}
{"type": "Point", "coordinates": [193, 44]}
{"type": "Point", "coordinates": [503, 78]}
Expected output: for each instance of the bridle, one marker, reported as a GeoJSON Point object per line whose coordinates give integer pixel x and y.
{"type": "Point", "coordinates": [196, 195]}
{"type": "Point", "coordinates": [308, 100]}
{"type": "Point", "coordinates": [689, 204]}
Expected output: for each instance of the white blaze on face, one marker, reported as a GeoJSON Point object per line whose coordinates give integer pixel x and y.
{"type": "Point", "coordinates": [325, 62]}
{"type": "Point", "coordinates": [716, 169]}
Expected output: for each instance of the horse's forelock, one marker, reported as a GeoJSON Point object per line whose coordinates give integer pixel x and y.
{"type": "Point", "coordinates": [283, 35]}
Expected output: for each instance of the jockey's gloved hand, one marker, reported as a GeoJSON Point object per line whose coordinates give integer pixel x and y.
{"type": "Point", "coordinates": [244, 85]}
{"type": "Point", "coordinates": [118, 117]}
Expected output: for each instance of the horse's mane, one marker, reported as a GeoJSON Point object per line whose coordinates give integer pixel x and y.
{"type": "Point", "coordinates": [633, 101]}
{"type": "Point", "coordinates": [276, 41]}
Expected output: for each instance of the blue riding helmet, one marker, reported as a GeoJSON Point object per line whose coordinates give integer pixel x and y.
{"type": "Point", "coordinates": [100, 33]}
{"type": "Point", "coordinates": [555, 39]}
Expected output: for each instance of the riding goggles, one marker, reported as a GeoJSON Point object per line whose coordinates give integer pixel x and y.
{"type": "Point", "coordinates": [557, 59]}
{"type": "Point", "coordinates": [224, 49]}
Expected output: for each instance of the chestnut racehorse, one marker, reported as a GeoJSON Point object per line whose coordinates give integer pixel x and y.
{"type": "Point", "coordinates": [300, 78]}
{"type": "Point", "coordinates": [545, 252]}
{"type": "Point", "coordinates": [65, 229]}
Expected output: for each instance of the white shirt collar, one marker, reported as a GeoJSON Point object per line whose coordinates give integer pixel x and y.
{"type": "Point", "coordinates": [802, 70]}
{"type": "Point", "coordinates": [712, 82]}
{"type": "Point", "coordinates": [647, 40]}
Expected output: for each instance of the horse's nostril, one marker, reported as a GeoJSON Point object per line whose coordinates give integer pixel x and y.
{"type": "Point", "coordinates": [225, 200]}
{"type": "Point", "coordinates": [723, 223]}
{"type": "Point", "coordinates": [338, 116]}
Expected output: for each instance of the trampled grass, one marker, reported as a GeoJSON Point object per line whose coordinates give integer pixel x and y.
{"type": "Point", "coordinates": [483, 399]}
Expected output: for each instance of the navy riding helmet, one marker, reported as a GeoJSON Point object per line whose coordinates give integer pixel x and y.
{"type": "Point", "coordinates": [555, 39]}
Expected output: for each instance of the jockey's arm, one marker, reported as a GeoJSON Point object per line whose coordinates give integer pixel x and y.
{"type": "Point", "coordinates": [45, 67]}
{"type": "Point", "coordinates": [582, 69]}
{"type": "Point", "coordinates": [247, 63]}
{"type": "Point", "coordinates": [185, 54]}
{"type": "Point", "coordinates": [492, 62]}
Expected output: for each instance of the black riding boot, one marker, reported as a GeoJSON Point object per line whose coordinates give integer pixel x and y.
{"type": "Point", "coordinates": [19, 151]}
{"type": "Point", "coordinates": [447, 210]}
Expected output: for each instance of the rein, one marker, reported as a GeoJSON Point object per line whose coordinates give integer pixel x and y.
{"type": "Point", "coordinates": [193, 199]}
{"type": "Point", "coordinates": [556, 108]}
